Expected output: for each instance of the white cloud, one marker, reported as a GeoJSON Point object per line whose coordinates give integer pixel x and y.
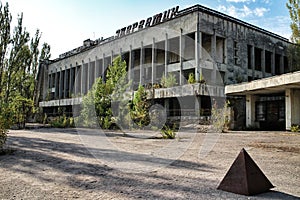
{"type": "Point", "coordinates": [260, 11]}
{"type": "Point", "coordinates": [242, 12]}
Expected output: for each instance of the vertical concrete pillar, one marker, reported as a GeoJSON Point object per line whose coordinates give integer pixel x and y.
{"type": "Point", "coordinates": [273, 62]}
{"type": "Point", "coordinates": [166, 54]}
{"type": "Point", "coordinates": [130, 63]}
{"type": "Point", "coordinates": [71, 86]}
{"type": "Point", "coordinates": [55, 84]}
{"type": "Point", "coordinates": [281, 64]}
{"type": "Point", "coordinates": [292, 107]}
{"type": "Point", "coordinates": [263, 62]}
{"type": "Point", "coordinates": [82, 85]}
{"type": "Point", "coordinates": [65, 83]}
{"type": "Point", "coordinates": [76, 80]}
{"type": "Point", "coordinates": [253, 61]}
{"type": "Point", "coordinates": [88, 75]}
{"type": "Point", "coordinates": [60, 84]}
{"type": "Point", "coordinates": [213, 55]}
{"type": "Point", "coordinates": [96, 71]}
{"type": "Point", "coordinates": [181, 52]}
{"type": "Point", "coordinates": [288, 108]}
{"type": "Point", "coordinates": [250, 110]}
{"type": "Point", "coordinates": [153, 65]}
{"type": "Point", "coordinates": [197, 49]}
{"type": "Point", "coordinates": [103, 68]}
{"type": "Point", "coordinates": [141, 64]}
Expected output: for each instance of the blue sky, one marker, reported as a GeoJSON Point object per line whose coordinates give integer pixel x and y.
{"type": "Point", "coordinates": [66, 23]}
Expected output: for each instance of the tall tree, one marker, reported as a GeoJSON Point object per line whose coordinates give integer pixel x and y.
{"type": "Point", "coordinates": [19, 61]}
{"type": "Point", "coordinates": [294, 9]}
{"type": "Point", "coordinates": [294, 50]}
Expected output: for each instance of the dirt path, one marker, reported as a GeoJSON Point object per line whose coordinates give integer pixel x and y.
{"type": "Point", "coordinates": [54, 164]}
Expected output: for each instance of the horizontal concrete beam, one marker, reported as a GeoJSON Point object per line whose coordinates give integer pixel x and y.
{"type": "Point", "coordinates": [266, 85]}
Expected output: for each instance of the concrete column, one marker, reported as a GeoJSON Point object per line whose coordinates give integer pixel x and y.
{"type": "Point", "coordinates": [103, 69]}
{"type": "Point", "coordinates": [181, 52]}
{"type": "Point", "coordinates": [263, 62]}
{"type": "Point", "coordinates": [213, 55]}
{"type": "Point", "coordinates": [197, 50]}
{"type": "Point", "coordinates": [281, 64]}
{"type": "Point", "coordinates": [253, 61]}
{"type": "Point", "coordinates": [153, 65]}
{"type": "Point", "coordinates": [82, 84]}
{"type": "Point", "coordinates": [60, 84]}
{"type": "Point", "coordinates": [76, 80]}
{"type": "Point", "coordinates": [65, 82]}
{"type": "Point", "coordinates": [70, 82]}
{"type": "Point", "coordinates": [55, 85]}
{"type": "Point", "coordinates": [130, 63]}
{"type": "Point", "coordinates": [273, 62]}
{"type": "Point", "coordinates": [141, 64]}
{"type": "Point", "coordinates": [96, 70]}
{"type": "Point", "coordinates": [292, 107]}
{"type": "Point", "coordinates": [250, 110]}
{"type": "Point", "coordinates": [166, 54]}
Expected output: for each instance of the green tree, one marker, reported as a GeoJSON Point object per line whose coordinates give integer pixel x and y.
{"type": "Point", "coordinates": [102, 94]}
{"type": "Point", "coordinates": [140, 107]}
{"type": "Point", "coordinates": [19, 61]}
{"type": "Point", "coordinates": [294, 50]}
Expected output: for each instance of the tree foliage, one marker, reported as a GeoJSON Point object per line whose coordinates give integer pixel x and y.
{"type": "Point", "coordinates": [140, 107]}
{"type": "Point", "coordinates": [294, 50]}
{"type": "Point", "coordinates": [97, 104]}
{"type": "Point", "coordinates": [19, 63]}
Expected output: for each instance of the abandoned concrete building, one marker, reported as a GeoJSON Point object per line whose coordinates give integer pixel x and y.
{"type": "Point", "coordinates": [216, 48]}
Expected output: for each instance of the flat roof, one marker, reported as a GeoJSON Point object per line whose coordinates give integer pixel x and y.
{"type": "Point", "coordinates": [274, 84]}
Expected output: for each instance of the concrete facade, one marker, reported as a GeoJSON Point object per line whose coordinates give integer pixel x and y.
{"type": "Point", "coordinates": [213, 46]}
{"type": "Point", "coordinates": [285, 87]}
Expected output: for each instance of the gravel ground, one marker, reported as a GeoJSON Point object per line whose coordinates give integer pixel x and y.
{"type": "Point", "coordinates": [55, 164]}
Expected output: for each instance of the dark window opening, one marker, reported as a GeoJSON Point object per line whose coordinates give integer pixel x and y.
{"type": "Point", "coordinates": [268, 61]}
{"type": "Point", "coordinates": [257, 53]}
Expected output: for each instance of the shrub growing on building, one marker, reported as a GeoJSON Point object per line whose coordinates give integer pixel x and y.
{"type": "Point", "coordinates": [169, 80]}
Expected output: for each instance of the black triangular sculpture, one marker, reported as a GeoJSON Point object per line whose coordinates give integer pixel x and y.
{"type": "Point", "coordinates": [244, 177]}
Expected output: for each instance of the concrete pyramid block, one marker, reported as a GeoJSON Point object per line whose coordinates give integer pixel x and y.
{"type": "Point", "coordinates": [245, 177]}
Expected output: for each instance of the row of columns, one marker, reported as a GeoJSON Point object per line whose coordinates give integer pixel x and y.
{"type": "Point", "coordinates": [263, 62]}
{"type": "Point", "coordinates": [83, 83]}
{"type": "Point", "coordinates": [292, 108]}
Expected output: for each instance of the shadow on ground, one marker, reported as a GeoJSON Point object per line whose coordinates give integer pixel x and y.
{"type": "Point", "coordinates": [45, 159]}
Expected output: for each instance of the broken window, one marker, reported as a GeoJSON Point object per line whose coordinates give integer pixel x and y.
{"type": "Point", "coordinates": [257, 55]}
{"type": "Point", "coordinates": [173, 50]}
{"type": "Point", "coordinates": [189, 46]}
{"type": "Point", "coordinates": [268, 61]}
{"type": "Point", "coordinates": [277, 64]}
{"type": "Point", "coordinates": [286, 65]}
{"type": "Point", "coordinates": [160, 53]}
{"type": "Point", "coordinates": [206, 45]}
{"type": "Point", "coordinates": [236, 53]}
{"type": "Point", "coordinates": [249, 52]}
{"type": "Point", "coordinates": [220, 50]}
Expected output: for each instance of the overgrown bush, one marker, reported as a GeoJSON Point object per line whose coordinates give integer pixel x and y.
{"type": "Point", "coordinates": [62, 122]}
{"type": "Point", "coordinates": [220, 117]}
{"type": "Point", "coordinates": [168, 81]}
{"type": "Point", "coordinates": [6, 120]}
{"type": "Point", "coordinates": [295, 128]}
{"type": "Point", "coordinates": [191, 79]}
{"type": "Point", "coordinates": [168, 133]}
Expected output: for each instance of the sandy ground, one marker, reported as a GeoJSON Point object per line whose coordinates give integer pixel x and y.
{"type": "Point", "coordinates": [56, 164]}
